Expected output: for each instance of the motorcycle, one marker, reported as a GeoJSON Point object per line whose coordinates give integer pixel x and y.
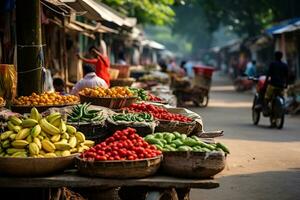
{"type": "Point", "coordinates": [242, 83]}
{"type": "Point", "coordinates": [275, 108]}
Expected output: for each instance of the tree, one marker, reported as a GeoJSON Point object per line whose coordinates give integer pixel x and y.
{"type": "Point", "coordinates": [157, 12]}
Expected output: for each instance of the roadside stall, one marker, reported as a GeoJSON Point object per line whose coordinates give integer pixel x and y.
{"type": "Point", "coordinates": [108, 143]}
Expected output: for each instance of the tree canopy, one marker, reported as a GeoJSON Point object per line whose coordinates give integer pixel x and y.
{"type": "Point", "coordinates": [157, 12]}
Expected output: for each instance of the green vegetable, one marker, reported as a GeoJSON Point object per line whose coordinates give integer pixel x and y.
{"type": "Point", "coordinates": [159, 135]}
{"type": "Point", "coordinates": [184, 148]}
{"type": "Point", "coordinates": [190, 142]}
{"type": "Point", "coordinates": [177, 142]}
{"type": "Point", "coordinates": [223, 147]}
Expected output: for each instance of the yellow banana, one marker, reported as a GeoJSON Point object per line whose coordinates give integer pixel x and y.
{"type": "Point", "coordinates": [5, 135]}
{"type": "Point", "coordinates": [48, 146]}
{"type": "Point", "coordinates": [15, 120]}
{"type": "Point", "coordinates": [12, 136]}
{"type": "Point", "coordinates": [50, 155]}
{"type": "Point", "coordinates": [22, 134]}
{"type": "Point", "coordinates": [55, 138]}
{"type": "Point", "coordinates": [42, 152]}
{"type": "Point", "coordinates": [71, 130]}
{"type": "Point", "coordinates": [29, 138]}
{"type": "Point", "coordinates": [62, 146]}
{"type": "Point", "coordinates": [58, 153]}
{"type": "Point", "coordinates": [5, 144]}
{"type": "Point", "coordinates": [73, 141]}
{"type": "Point", "coordinates": [35, 131]}
{"type": "Point", "coordinates": [28, 123]}
{"type": "Point", "coordinates": [34, 114]}
{"type": "Point", "coordinates": [64, 141]}
{"type": "Point", "coordinates": [80, 136]}
{"type": "Point", "coordinates": [38, 142]}
{"type": "Point", "coordinates": [56, 122]}
{"type": "Point", "coordinates": [62, 126]}
{"type": "Point", "coordinates": [73, 150]}
{"type": "Point", "coordinates": [14, 150]}
{"type": "Point", "coordinates": [19, 154]}
{"type": "Point", "coordinates": [65, 136]}
{"type": "Point", "coordinates": [19, 144]}
{"type": "Point", "coordinates": [66, 153]}
{"type": "Point", "coordinates": [48, 128]}
{"type": "Point", "coordinates": [53, 116]}
{"type": "Point", "coordinates": [89, 143]}
{"type": "Point", "coordinates": [12, 127]}
{"type": "Point", "coordinates": [40, 137]}
{"type": "Point", "coordinates": [34, 149]}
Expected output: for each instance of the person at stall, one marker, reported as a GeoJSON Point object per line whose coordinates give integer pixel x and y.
{"type": "Point", "coordinates": [251, 69]}
{"type": "Point", "coordinates": [101, 61]}
{"type": "Point", "coordinates": [59, 86]}
{"type": "Point", "coordinates": [90, 80]}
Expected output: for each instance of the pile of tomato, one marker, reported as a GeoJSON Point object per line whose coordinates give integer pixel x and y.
{"type": "Point", "coordinates": [122, 145]}
{"type": "Point", "coordinates": [152, 97]}
{"type": "Point", "coordinates": [158, 112]}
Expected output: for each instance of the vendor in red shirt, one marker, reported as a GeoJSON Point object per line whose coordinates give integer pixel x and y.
{"type": "Point", "coordinates": [100, 61]}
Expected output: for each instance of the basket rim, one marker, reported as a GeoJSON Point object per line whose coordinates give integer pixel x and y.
{"type": "Point", "coordinates": [133, 97]}
{"type": "Point", "coordinates": [32, 158]}
{"type": "Point", "coordinates": [46, 106]}
{"type": "Point", "coordinates": [120, 161]}
{"type": "Point", "coordinates": [179, 122]}
{"type": "Point", "coordinates": [170, 153]}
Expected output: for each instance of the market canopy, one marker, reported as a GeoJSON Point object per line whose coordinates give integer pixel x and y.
{"type": "Point", "coordinates": [285, 26]}
{"type": "Point", "coordinates": [152, 44]}
{"type": "Point", "coordinates": [98, 11]}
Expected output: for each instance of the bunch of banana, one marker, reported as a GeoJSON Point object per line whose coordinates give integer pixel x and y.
{"type": "Point", "coordinates": [41, 137]}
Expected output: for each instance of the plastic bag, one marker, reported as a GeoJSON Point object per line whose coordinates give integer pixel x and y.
{"type": "Point", "coordinates": [8, 81]}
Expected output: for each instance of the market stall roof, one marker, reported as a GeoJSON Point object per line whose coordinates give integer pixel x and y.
{"type": "Point", "coordinates": [153, 44]}
{"type": "Point", "coordinates": [284, 26]}
{"type": "Point", "coordinates": [94, 28]}
{"type": "Point", "coordinates": [57, 6]}
{"type": "Point", "coordinates": [99, 11]}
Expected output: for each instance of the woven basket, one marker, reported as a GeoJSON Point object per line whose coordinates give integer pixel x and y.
{"type": "Point", "coordinates": [34, 166]}
{"type": "Point", "coordinates": [124, 71]}
{"type": "Point", "coordinates": [193, 164]}
{"type": "Point", "coordinates": [119, 169]}
{"type": "Point", "coordinates": [172, 126]}
{"type": "Point", "coordinates": [113, 73]}
{"type": "Point", "coordinates": [113, 103]}
{"type": "Point", "coordinates": [122, 82]}
{"type": "Point", "coordinates": [27, 109]}
{"type": "Point", "coordinates": [142, 129]}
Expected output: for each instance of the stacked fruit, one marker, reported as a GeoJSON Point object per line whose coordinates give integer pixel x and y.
{"type": "Point", "coordinates": [46, 99]}
{"type": "Point", "coordinates": [180, 142]}
{"type": "Point", "coordinates": [81, 113]}
{"type": "Point", "coordinates": [1, 101]}
{"type": "Point", "coordinates": [41, 137]}
{"type": "Point", "coordinates": [122, 145]}
{"type": "Point", "coordinates": [158, 112]}
{"type": "Point", "coordinates": [114, 92]}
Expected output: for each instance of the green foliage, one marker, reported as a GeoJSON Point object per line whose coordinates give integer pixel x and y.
{"type": "Point", "coordinates": [158, 12]}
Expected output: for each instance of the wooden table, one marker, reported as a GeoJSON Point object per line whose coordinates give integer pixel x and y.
{"type": "Point", "coordinates": [156, 186]}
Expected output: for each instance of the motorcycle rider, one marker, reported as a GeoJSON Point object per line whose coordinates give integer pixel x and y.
{"type": "Point", "coordinates": [276, 79]}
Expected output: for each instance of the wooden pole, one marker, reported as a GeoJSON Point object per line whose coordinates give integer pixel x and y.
{"type": "Point", "coordinates": [29, 47]}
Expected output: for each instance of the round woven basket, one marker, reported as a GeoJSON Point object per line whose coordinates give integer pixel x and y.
{"type": "Point", "coordinates": [26, 109]}
{"type": "Point", "coordinates": [175, 126]}
{"type": "Point", "coordinates": [193, 164]}
{"type": "Point", "coordinates": [114, 103]}
{"type": "Point", "coordinates": [34, 166]}
{"type": "Point", "coordinates": [122, 82]}
{"type": "Point", "coordinates": [119, 169]}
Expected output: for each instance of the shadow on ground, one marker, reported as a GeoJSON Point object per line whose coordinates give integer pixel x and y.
{"type": "Point", "coordinates": [273, 185]}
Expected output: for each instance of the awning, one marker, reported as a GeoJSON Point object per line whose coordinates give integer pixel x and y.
{"type": "Point", "coordinates": [98, 11]}
{"type": "Point", "coordinates": [152, 44]}
{"type": "Point", "coordinates": [94, 28]}
{"type": "Point", "coordinates": [284, 26]}
{"type": "Point", "coordinates": [57, 6]}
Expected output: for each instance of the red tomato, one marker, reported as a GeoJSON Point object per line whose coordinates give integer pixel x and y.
{"type": "Point", "coordinates": [111, 158]}
{"type": "Point", "coordinates": [117, 158]}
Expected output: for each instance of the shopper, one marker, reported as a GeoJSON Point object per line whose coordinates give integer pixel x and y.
{"type": "Point", "coordinates": [90, 80]}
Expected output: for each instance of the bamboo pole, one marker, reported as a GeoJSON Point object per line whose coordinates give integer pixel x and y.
{"type": "Point", "coordinates": [29, 47]}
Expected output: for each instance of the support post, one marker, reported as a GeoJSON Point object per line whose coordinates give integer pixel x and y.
{"type": "Point", "coordinates": [29, 47]}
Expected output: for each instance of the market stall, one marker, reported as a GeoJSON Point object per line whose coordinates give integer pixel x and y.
{"type": "Point", "coordinates": [121, 139]}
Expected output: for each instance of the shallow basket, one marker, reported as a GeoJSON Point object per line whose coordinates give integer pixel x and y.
{"type": "Point", "coordinates": [113, 103]}
{"type": "Point", "coordinates": [26, 109]}
{"type": "Point", "coordinates": [122, 82]}
{"type": "Point", "coordinates": [119, 169]}
{"type": "Point", "coordinates": [193, 164]}
{"type": "Point", "coordinates": [175, 126]}
{"type": "Point", "coordinates": [113, 73]}
{"type": "Point", "coordinates": [35, 166]}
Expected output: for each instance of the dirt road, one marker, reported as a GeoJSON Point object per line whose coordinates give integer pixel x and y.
{"type": "Point", "coordinates": [264, 163]}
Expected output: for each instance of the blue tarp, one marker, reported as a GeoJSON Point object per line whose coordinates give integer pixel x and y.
{"type": "Point", "coordinates": [282, 24]}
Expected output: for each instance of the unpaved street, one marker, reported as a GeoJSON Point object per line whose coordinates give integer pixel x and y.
{"type": "Point", "coordinates": [264, 163]}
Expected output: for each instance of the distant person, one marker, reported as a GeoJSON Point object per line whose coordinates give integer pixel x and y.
{"type": "Point", "coordinates": [90, 80]}
{"type": "Point", "coordinates": [251, 69]}
{"type": "Point", "coordinates": [182, 69]}
{"type": "Point", "coordinates": [172, 66]}
{"type": "Point", "coordinates": [59, 86]}
{"type": "Point", "coordinates": [121, 59]}
{"type": "Point", "coordinates": [277, 77]}
{"type": "Point", "coordinates": [101, 61]}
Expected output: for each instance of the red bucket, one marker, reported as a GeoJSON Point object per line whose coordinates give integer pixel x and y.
{"type": "Point", "coordinates": [203, 71]}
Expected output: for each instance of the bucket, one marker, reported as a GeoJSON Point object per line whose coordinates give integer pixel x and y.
{"type": "Point", "coordinates": [203, 71]}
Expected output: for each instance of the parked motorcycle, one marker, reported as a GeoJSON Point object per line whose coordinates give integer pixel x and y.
{"type": "Point", "coordinates": [274, 109]}
{"type": "Point", "coordinates": [242, 83]}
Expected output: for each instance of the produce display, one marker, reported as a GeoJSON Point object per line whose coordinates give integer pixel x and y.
{"type": "Point", "coordinates": [45, 99]}
{"type": "Point", "coordinates": [145, 95]}
{"type": "Point", "coordinates": [82, 113]}
{"type": "Point", "coordinates": [1, 101]}
{"type": "Point", "coordinates": [158, 112]}
{"type": "Point", "coordinates": [41, 137]}
{"type": "Point", "coordinates": [180, 142]}
{"type": "Point", "coordinates": [122, 145]}
{"type": "Point", "coordinates": [154, 98]}
{"type": "Point", "coordinates": [132, 117]}
{"type": "Point", "coordinates": [114, 92]}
